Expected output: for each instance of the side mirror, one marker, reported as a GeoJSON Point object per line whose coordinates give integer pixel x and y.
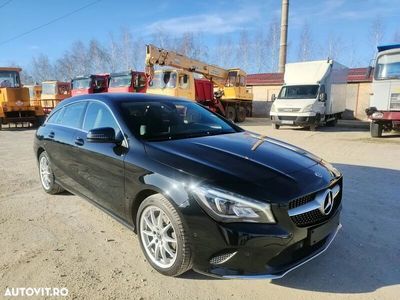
{"type": "Point", "coordinates": [369, 71]}
{"type": "Point", "coordinates": [273, 97]}
{"type": "Point", "coordinates": [322, 97]}
{"type": "Point", "coordinates": [102, 135]}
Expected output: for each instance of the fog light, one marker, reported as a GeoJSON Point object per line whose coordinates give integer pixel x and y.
{"type": "Point", "coordinates": [377, 115]}
{"type": "Point", "coordinates": [220, 259]}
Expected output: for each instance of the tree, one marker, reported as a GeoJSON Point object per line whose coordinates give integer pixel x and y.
{"type": "Point", "coordinates": [42, 69]}
{"type": "Point", "coordinates": [98, 58]}
{"type": "Point", "coordinates": [332, 47]}
{"type": "Point", "coordinates": [243, 51]}
{"type": "Point", "coordinates": [376, 33]}
{"type": "Point", "coordinates": [272, 43]}
{"type": "Point", "coordinates": [305, 44]}
{"type": "Point", "coordinates": [223, 52]}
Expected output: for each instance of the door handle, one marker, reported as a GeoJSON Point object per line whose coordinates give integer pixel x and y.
{"type": "Point", "coordinates": [51, 134]}
{"type": "Point", "coordinates": [79, 141]}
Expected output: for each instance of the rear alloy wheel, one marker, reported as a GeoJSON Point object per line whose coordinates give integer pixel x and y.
{"type": "Point", "coordinates": [47, 177]}
{"type": "Point", "coordinates": [241, 114]}
{"type": "Point", "coordinates": [163, 237]}
{"type": "Point", "coordinates": [230, 113]}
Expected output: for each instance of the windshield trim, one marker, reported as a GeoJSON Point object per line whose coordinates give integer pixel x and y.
{"type": "Point", "coordinates": [377, 69]}
{"type": "Point", "coordinates": [297, 97]}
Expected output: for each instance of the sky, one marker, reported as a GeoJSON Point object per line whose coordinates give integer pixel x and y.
{"type": "Point", "coordinates": [348, 21]}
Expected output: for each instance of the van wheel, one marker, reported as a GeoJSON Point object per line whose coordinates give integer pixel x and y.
{"type": "Point", "coordinates": [47, 177]}
{"type": "Point", "coordinates": [376, 129]}
{"type": "Point", "coordinates": [313, 127]}
{"type": "Point", "coordinates": [332, 123]}
{"type": "Point", "coordinates": [163, 236]}
{"type": "Point", "coordinates": [276, 126]}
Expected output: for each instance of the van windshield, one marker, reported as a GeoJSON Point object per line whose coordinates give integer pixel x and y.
{"type": "Point", "coordinates": [299, 92]}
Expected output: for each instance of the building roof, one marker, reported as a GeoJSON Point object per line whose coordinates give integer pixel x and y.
{"type": "Point", "coordinates": [355, 75]}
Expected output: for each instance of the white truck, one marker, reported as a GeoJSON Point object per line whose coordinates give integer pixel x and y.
{"type": "Point", "coordinates": [313, 94]}
{"type": "Point", "coordinates": [384, 110]}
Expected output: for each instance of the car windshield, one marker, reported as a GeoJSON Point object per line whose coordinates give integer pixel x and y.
{"type": "Point", "coordinates": [49, 88]}
{"type": "Point", "coordinates": [82, 83]}
{"type": "Point", "coordinates": [120, 81]}
{"type": "Point", "coordinates": [9, 79]}
{"type": "Point", "coordinates": [299, 92]}
{"type": "Point", "coordinates": [163, 79]}
{"type": "Point", "coordinates": [388, 67]}
{"type": "Point", "coordinates": [166, 120]}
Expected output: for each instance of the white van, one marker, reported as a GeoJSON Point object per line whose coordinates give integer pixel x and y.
{"type": "Point", "coordinates": [313, 94]}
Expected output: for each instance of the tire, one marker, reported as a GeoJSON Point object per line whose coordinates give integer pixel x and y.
{"type": "Point", "coordinates": [313, 127]}
{"type": "Point", "coordinates": [230, 113]}
{"type": "Point", "coordinates": [376, 129]}
{"type": "Point", "coordinates": [241, 114]}
{"type": "Point", "coordinates": [332, 123]}
{"type": "Point", "coordinates": [276, 126]}
{"type": "Point", "coordinates": [39, 121]}
{"type": "Point", "coordinates": [181, 259]}
{"type": "Point", "coordinates": [48, 180]}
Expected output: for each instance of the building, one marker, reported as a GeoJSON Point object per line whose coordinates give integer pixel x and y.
{"type": "Point", "coordinates": [265, 85]}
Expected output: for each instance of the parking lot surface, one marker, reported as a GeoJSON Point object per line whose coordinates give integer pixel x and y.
{"type": "Point", "coordinates": [64, 241]}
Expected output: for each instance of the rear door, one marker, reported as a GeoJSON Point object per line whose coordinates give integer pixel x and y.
{"type": "Point", "coordinates": [101, 165]}
{"type": "Point", "coordinates": [58, 133]}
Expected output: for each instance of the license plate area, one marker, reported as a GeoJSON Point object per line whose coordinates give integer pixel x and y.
{"type": "Point", "coordinates": [287, 122]}
{"type": "Point", "coordinates": [316, 234]}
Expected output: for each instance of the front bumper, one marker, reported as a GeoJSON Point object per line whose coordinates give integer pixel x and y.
{"type": "Point", "coordinates": [253, 250]}
{"type": "Point", "coordinates": [294, 120]}
{"type": "Point", "coordinates": [282, 273]}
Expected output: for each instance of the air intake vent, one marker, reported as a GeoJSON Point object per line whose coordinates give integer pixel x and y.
{"type": "Point", "coordinates": [220, 259]}
{"type": "Point", "coordinates": [395, 101]}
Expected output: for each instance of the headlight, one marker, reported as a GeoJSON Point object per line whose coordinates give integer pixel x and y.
{"type": "Point", "coordinates": [228, 207]}
{"type": "Point", "coordinates": [308, 108]}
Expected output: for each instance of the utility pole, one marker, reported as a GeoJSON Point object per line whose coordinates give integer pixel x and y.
{"type": "Point", "coordinates": [284, 32]}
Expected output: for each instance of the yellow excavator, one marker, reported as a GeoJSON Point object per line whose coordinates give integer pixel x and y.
{"type": "Point", "coordinates": [221, 90]}
{"type": "Point", "coordinates": [15, 106]}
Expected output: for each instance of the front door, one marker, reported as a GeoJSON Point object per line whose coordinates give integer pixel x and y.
{"type": "Point", "coordinates": [101, 165]}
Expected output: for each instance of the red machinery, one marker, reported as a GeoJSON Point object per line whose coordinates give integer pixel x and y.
{"type": "Point", "coordinates": [90, 84]}
{"type": "Point", "coordinates": [128, 82]}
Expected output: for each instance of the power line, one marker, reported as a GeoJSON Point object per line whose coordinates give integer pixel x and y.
{"type": "Point", "coordinates": [5, 3]}
{"type": "Point", "coordinates": [48, 23]}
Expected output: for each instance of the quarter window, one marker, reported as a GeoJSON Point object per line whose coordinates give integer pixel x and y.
{"type": "Point", "coordinates": [98, 116]}
{"type": "Point", "coordinates": [72, 115]}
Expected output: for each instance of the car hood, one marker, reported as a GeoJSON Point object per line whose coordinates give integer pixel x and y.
{"type": "Point", "coordinates": [244, 162]}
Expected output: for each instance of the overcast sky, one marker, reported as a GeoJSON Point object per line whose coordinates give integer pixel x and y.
{"type": "Point", "coordinates": [348, 21]}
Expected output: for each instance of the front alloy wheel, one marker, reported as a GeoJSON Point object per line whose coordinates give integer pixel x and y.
{"type": "Point", "coordinates": [163, 236]}
{"type": "Point", "coordinates": [158, 236]}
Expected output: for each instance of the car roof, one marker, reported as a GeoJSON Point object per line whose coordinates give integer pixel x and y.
{"type": "Point", "coordinates": [111, 98]}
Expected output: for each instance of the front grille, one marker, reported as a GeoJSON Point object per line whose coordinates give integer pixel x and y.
{"type": "Point", "coordinates": [301, 201]}
{"type": "Point", "coordinates": [315, 216]}
{"type": "Point", "coordinates": [287, 118]}
{"type": "Point", "coordinates": [288, 109]}
{"type": "Point", "coordinates": [395, 101]}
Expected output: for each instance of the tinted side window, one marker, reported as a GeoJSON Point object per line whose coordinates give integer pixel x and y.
{"type": "Point", "coordinates": [72, 115]}
{"type": "Point", "coordinates": [97, 116]}
{"type": "Point", "coordinates": [53, 119]}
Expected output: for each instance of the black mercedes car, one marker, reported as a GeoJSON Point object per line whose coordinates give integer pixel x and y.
{"type": "Point", "coordinates": [200, 192]}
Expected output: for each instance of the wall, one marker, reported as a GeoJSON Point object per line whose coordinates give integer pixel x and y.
{"type": "Point", "coordinates": [262, 95]}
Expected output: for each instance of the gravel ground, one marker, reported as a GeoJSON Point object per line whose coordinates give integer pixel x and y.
{"type": "Point", "coordinates": [63, 241]}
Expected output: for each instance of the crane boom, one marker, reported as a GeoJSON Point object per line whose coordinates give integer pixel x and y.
{"type": "Point", "coordinates": [162, 57]}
